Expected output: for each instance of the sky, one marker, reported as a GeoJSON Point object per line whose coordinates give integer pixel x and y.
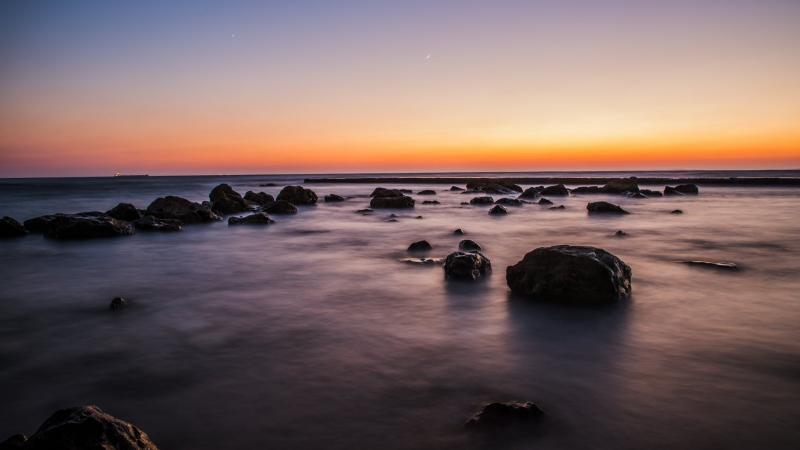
{"type": "Point", "coordinates": [213, 87]}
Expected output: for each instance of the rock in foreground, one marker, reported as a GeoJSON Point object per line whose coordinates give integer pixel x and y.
{"type": "Point", "coordinates": [420, 246]}
{"type": "Point", "coordinates": [298, 195]}
{"type": "Point", "coordinates": [124, 211]}
{"type": "Point", "coordinates": [224, 200]}
{"type": "Point", "coordinates": [570, 274]}
{"type": "Point", "coordinates": [504, 414]}
{"type": "Point", "coordinates": [9, 228]}
{"type": "Point", "coordinates": [468, 245]}
{"type": "Point", "coordinates": [397, 201]}
{"type": "Point", "coordinates": [604, 208]}
{"type": "Point", "coordinates": [258, 198]}
{"type": "Point", "coordinates": [466, 265]}
{"type": "Point", "coordinates": [86, 227]}
{"type": "Point", "coordinates": [83, 428]}
{"type": "Point", "coordinates": [280, 207]}
{"type": "Point", "coordinates": [172, 207]}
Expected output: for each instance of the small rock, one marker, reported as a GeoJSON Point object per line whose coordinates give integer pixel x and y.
{"type": "Point", "coordinates": [172, 207]}
{"type": "Point", "coordinates": [458, 232]}
{"type": "Point", "coordinates": [427, 192]}
{"type": "Point", "coordinates": [683, 189]}
{"type": "Point", "coordinates": [497, 210]}
{"type": "Point", "coordinates": [496, 415]}
{"type": "Point", "coordinates": [9, 228]}
{"type": "Point", "coordinates": [430, 202]}
{"type": "Point", "coordinates": [532, 192]}
{"type": "Point", "coordinates": [280, 207]}
{"type": "Point", "coordinates": [365, 211]}
{"type": "Point", "coordinates": [620, 186]}
{"type": "Point", "coordinates": [456, 188]}
{"type": "Point", "coordinates": [543, 201]}
{"type": "Point", "coordinates": [297, 195]}
{"type": "Point", "coordinates": [713, 265]}
{"type": "Point", "coordinates": [555, 190]}
{"type": "Point", "coordinates": [676, 211]}
{"type": "Point", "coordinates": [422, 261]}
{"type": "Point", "coordinates": [509, 202]}
{"type": "Point", "coordinates": [224, 200]}
{"type": "Point", "coordinates": [464, 203]}
{"type": "Point", "coordinates": [117, 303]}
{"type": "Point", "coordinates": [466, 265]}
{"type": "Point", "coordinates": [620, 233]}
{"type": "Point", "coordinates": [401, 201]}
{"type": "Point", "coordinates": [420, 246]}
{"type": "Point", "coordinates": [253, 219]}
{"type": "Point", "coordinates": [557, 207]}
{"type": "Point", "coordinates": [333, 198]}
{"type": "Point", "coordinates": [267, 185]}
{"type": "Point", "coordinates": [587, 190]}
{"type": "Point", "coordinates": [604, 208]}
{"type": "Point", "coordinates": [484, 200]}
{"type": "Point", "coordinates": [650, 193]}
{"type": "Point", "coordinates": [468, 245]}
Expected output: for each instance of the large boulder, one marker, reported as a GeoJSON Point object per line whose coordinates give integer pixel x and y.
{"type": "Point", "coordinates": [253, 219]}
{"type": "Point", "coordinates": [570, 274]}
{"type": "Point", "coordinates": [178, 208]}
{"type": "Point", "coordinates": [532, 192]}
{"type": "Point", "coordinates": [298, 195]}
{"type": "Point", "coordinates": [604, 208]}
{"type": "Point", "coordinates": [9, 228]}
{"type": "Point", "coordinates": [258, 198]}
{"type": "Point", "coordinates": [280, 207]}
{"type": "Point", "coordinates": [152, 223]}
{"type": "Point", "coordinates": [466, 265]}
{"type": "Point", "coordinates": [497, 415]}
{"type": "Point", "coordinates": [124, 211]}
{"type": "Point", "coordinates": [224, 200]}
{"type": "Point", "coordinates": [401, 201]}
{"type": "Point", "coordinates": [71, 226]}
{"type": "Point", "coordinates": [555, 190]}
{"type": "Point", "coordinates": [83, 428]}
{"type": "Point", "coordinates": [620, 186]}
{"type": "Point", "coordinates": [384, 192]}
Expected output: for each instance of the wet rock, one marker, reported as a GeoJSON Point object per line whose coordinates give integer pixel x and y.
{"type": "Point", "coordinates": [498, 210]}
{"type": "Point", "coordinates": [423, 261]}
{"type": "Point", "coordinates": [636, 195]}
{"type": "Point", "coordinates": [384, 192]}
{"type": "Point", "coordinates": [456, 188]}
{"type": "Point", "coordinates": [42, 223]}
{"type": "Point", "coordinates": [365, 211]}
{"type": "Point", "coordinates": [682, 189]}
{"type": "Point", "coordinates": [570, 274]}
{"type": "Point", "coordinates": [401, 201]}
{"type": "Point", "coordinates": [620, 186]}
{"type": "Point", "coordinates": [544, 202]}
{"type": "Point", "coordinates": [587, 190]}
{"type": "Point", "coordinates": [468, 245]}
{"type": "Point", "coordinates": [713, 265]}
{"type": "Point", "coordinates": [297, 195]}
{"type": "Point", "coordinates": [84, 428]}
{"type": "Point", "coordinates": [458, 232]}
{"type": "Point", "coordinates": [532, 192]}
{"type": "Point", "coordinates": [280, 207]}
{"type": "Point", "coordinates": [650, 193]}
{"type": "Point", "coordinates": [620, 234]}
{"type": "Point", "coordinates": [493, 187]}
{"type": "Point", "coordinates": [117, 303]}
{"type": "Point", "coordinates": [253, 219]}
{"type": "Point", "coordinates": [152, 223]}
{"type": "Point", "coordinates": [555, 190]}
{"type": "Point", "coordinates": [9, 228]}
{"type": "Point", "coordinates": [427, 192]}
{"type": "Point", "coordinates": [466, 265]}
{"type": "Point", "coordinates": [498, 415]}
{"type": "Point", "coordinates": [331, 198]}
{"type": "Point", "coordinates": [604, 208]}
{"type": "Point", "coordinates": [420, 246]}
{"type": "Point", "coordinates": [124, 211]}
{"type": "Point", "coordinates": [509, 202]}
{"type": "Point", "coordinates": [172, 207]}
{"type": "Point", "coordinates": [557, 207]}
{"type": "Point", "coordinates": [224, 200]}
{"type": "Point", "coordinates": [258, 198]}
{"type": "Point", "coordinates": [430, 202]}
{"type": "Point", "coordinates": [87, 227]}
{"type": "Point", "coordinates": [485, 200]}
{"type": "Point", "coordinates": [676, 211]}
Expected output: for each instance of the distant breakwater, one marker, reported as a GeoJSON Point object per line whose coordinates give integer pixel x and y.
{"type": "Point", "coordinates": [705, 181]}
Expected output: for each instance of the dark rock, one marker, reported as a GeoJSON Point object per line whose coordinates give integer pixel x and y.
{"type": "Point", "coordinates": [383, 192]}
{"type": "Point", "coordinates": [42, 223]}
{"type": "Point", "coordinates": [485, 200]}
{"type": "Point", "coordinates": [604, 208]}
{"type": "Point", "coordinates": [570, 274]}
{"type": "Point", "coordinates": [405, 191]}
{"type": "Point", "coordinates": [468, 245]}
{"type": "Point", "coordinates": [178, 208]}
{"type": "Point", "coordinates": [509, 202]}
{"type": "Point", "coordinates": [464, 203]}
{"type": "Point", "coordinates": [620, 186]}
{"type": "Point", "coordinates": [365, 211]}
{"type": "Point", "coordinates": [224, 200]}
{"type": "Point", "coordinates": [587, 190]}
{"type": "Point", "coordinates": [636, 195]}
{"type": "Point", "coordinates": [620, 233]}
{"type": "Point", "coordinates": [713, 265]}
{"type": "Point", "coordinates": [253, 219]}
{"type": "Point", "coordinates": [458, 232]}
{"type": "Point", "coordinates": [683, 189]}
{"type": "Point", "coordinates": [431, 202]}
{"type": "Point", "coordinates": [418, 217]}
{"type": "Point", "coordinates": [498, 210]}
{"type": "Point", "coordinates": [397, 201]}
{"type": "Point", "coordinates": [70, 226]}
{"type": "Point", "coordinates": [676, 211]}
{"type": "Point", "coordinates": [298, 195]}
{"type": "Point", "coordinates": [466, 265]}
{"type": "Point", "coordinates": [267, 185]}
{"type": "Point", "coordinates": [124, 211]}
{"type": "Point", "coordinates": [151, 223]}
{"type": "Point", "coordinates": [14, 442]}
{"type": "Point", "coordinates": [419, 246]}
{"type": "Point", "coordinates": [532, 192]}
{"type": "Point", "coordinates": [280, 207]}
{"type": "Point", "coordinates": [496, 415]}
{"type": "Point", "coordinates": [456, 188]}
{"type": "Point", "coordinates": [650, 193]}
{"type": "Point", "coordinates": [84, 428]}
{"type": "Point", "coordinates": [117, 303]}
{"type": "Point", "coordinates": [543, 201]}
{"type": "Point", "coordinates": [555, 190]}
{"type": "Point", "coordinates": [493, 187]}
{"type": "Point", "coordinates": [9, 228]}
{"type": "Point", "coordinates": [557, 207]}
{"type": "Point", "coordinates": [330, 198]}
{"type": "Point", "coordinates": [427, 192]}
{"type": "Point", "coordinates": [421, 261]}
{"type": "Point", "coordinates": [258, 198]}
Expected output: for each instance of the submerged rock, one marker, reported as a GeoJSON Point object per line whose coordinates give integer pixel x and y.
{"type": "Point", "coordinates": [676, 211]}
{"type": "Point", "coordinates": [124, 211]}
{"type": "Point", "coordinates": [420, 246]}
{"type": "Point", "coordinates": [466, 265]}
{"type": "Point", "coordinates": [117, 303]}
{"type": "Point", "coordinates": [456, 188]}
{"type": "Point", "coordinates": [458, 232]}
{"type": "Point", "coordinates": [364, 211]}
{"type": "Point", "coordinates": [604, 208]}
{"type": "Point", "coordinates": [555, 190]}
{"type": "Point", "coordinates": [713, 265]}
{"type": "Point", "coordinates": [151, 223]}
{"type": "Point", "coordinates": [267, 185]}
{"type": "Point", "coordinates": [259, 218]}
{"type": "Point", "coordinates": [83, 428]}
{"type": "Point", "coordinates": [258, 198]}
{"type": "Point", "coordinates": [298, 195]}
{"type": "Point", "coordinates": [650, 193]}
{"type": "Point", "coordinates": [495, 415]}
{"type": "Point", "coordinates": [485, 200]}
{"type": "Point", "coordinates": [620, 233]}
{"type": "Point", "coordinates": [422, 261]}
{"type": "Point", "coordinates": [431, 202]}
{"type": "Point", "coordinates": [468, 245]}
{"type": "Point", "coordinates": [330, 198]}
{"type": "Point", "coordinates": [557, 207]}
{"type": "Point", "coordinates": [544, 202]}
{"type": "Point", "coordinates": [172, 207]}
{"type": "Point", "coordinates": [509, 202]}
{"type": "Point", "coordinates": [224, 200]}
{"type": "Point", "coordinates": [682, 189]}
{"type": "Point", "coordinates": [401, 201]}
{"type": "Point", "coordinates": [427, 192]}
{"type": "Point", "coordinates": [498, 210]}
{"type": "Point", "coordinates": [280, 207]}
{"type": "Point", "coordinates": [9, 228]}
{"type": "Point", "coordinates": [587, 190]}
{"type": "Point", "coordinates": [570, 274]}
{"type": "Point", "coordinates": [86, 227]}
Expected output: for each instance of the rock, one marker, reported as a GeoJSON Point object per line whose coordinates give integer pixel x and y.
{"type": "Point", "coordinates": [587, 190]}
{"type": "Point", "coordinates": [676, 211]}
{"type": "Point", "coordinates": [713, 265]}
{"type": "Point", "coordinates": [418, 217]}
{"type": "Point", "coordinates": [466, 265]}
{"type": "Point", "coordinates": [151, 223]}
{"type": "Point", "coordinates": [557, 207]}
{"type": "Point", "coordinates": [267, 185]}
{"type": "Point", "coordinates": [427, 192]}
{"type": "Point", "coordinates": [420, 246]}
{"type": "Point", "coordinates": [636, 195]}
{"type": "Point", "coordinates": [496, 415]}
{"type": "Point", "coordinates": [330, 198]}
{"type": "Point", "coordinates": [543, 201]}
{"type": "Point", "coordinates": [555, 190]}
{"type": "Point", "coordinates": [468, 245]}
{"type": "Point", "coordinates": [259, 218]}
{"type": "Point", "coordinates": [668, 190]}
{"type": "Point", "coordinates": [124, 211]}
{"type": "Point", "coordinates": [620, 233]}
{"type": "Point", "coordinates": [9, 228]}
{"type": "Point", "coordinates": [258, 198]}
{"type": "Point", "coordinates": [383, 192]}
{"type": "Point", "coordinates": [298, 195]}
{"type": "Point", "coordinates": [72, 226]}
{"type": "Point", "coordinates": [224, 200]}
{"type": "Point", "coordinates": [178, 208]}
{"type": "Point", "coordinates": [117, 303]}
{"type": "Point", "coordinates": [620, 186]}
{"type": "Point", "coordinates": [509, 202]}
{"type": "Point", "coordinates": [41, 223]}
{"type": "Point", "coordinates": [650, 193]}
{"type": "Point", "coordinates": [604, 208]}
{"type": "Point", "coordinates": [464, 203]}
{"type": "Point", "coordinates": [280, 207]}
{"type": "Point", "coordinates": [14, 442]}
{"type": "Point", "coordinates": [684, 189]}
{"type": "Point", "coordinates": [422, 261]}
{"type": "Point", "coordinates": [405, 191]}
{"type": "Point", "coordinates": [493, 186]}
{"type": "Point", "coordinates": [498, 210]}
{"type": "Point", "coordinates": [431, 202]}
{"type": "Point", "coordinates": [458, 232]}
{"type": "Point", "coordinates": [401, 201]}
{"type": "Point", "coordinates": [532, 192]}
{"type": "Point", "coordinates": [365, 211]}
{"type": "Point", "coordinates": [570, 274]}
{"type": "Point", "coordinates": [485, 200]}
{"type": "Point", "coordinates": [456, 188]}
{"type": "Point", "coordinates": [83, 428]}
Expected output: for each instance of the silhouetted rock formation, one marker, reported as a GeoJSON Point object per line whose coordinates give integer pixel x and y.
{"type": "Point", "coordinates": [604, 208]}
{"type": "Point", "coordinates": [258, 198]}
{"type": "Point", "coordinates": [224, 200]}
{"type": "Point", "coordinates": [485, 200]}
{"type": "Point", "coordinates": [466, 265]}
{"type": "Point", "coordinates": [280, 207]}
{"type": "Point", "coordinates": [420, 246]}
{"type": "Point", "coordinates": [494, 186]}
{"type": "Point", "coordinates": [468, 245]}
{"type": "Point", "coordinates": [259, 218]}
{"type": "Point", "coordinates": [587, 190]}
{"type": "Point", "coordinates": [555, 190]}
{"type": "Point", "coordinates": [390, 198]}
{"type": "Point", "coordinates": [426, 192]}
{"type": "Point", "coordinates": [151, 223]}
{"type": "Point", "coordinates": [509, 201]}
{"type": "Point", "coordinates": [298, 195]}
{"type": "Point", "coordinates": [172, 207]}
{"type": "Point", "coordinates": [72, 226]}
{"type": "Point", "coordinates": [9, 228]}
{"type": "Point", "coordinates": [620, 186]}
{"type": "Point", "coordinates": [331, 198]}
{"type": "Point", "coordinates": [117, 304]}
{"type": "Point", "coordinates": [499, 415]}
{"type": "Point", "coordinates": [498, 210]}
{"type": "Point", "coordinates": [532, 192]}
{"type": "Point", "coordinates": [124, 211]}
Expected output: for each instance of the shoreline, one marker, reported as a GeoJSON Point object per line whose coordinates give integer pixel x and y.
{"type": "Point", "coordinates": [703, 181]}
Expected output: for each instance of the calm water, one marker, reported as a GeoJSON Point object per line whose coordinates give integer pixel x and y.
{"type": "Point", "coordinates": [311, 333]}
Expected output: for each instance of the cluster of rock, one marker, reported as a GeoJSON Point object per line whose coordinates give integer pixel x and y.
{"type": "Point", "coordinates": [390, 198]}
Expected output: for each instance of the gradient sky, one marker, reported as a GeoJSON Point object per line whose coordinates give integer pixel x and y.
{"type": "Point", "coordinates": [96, 87]}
